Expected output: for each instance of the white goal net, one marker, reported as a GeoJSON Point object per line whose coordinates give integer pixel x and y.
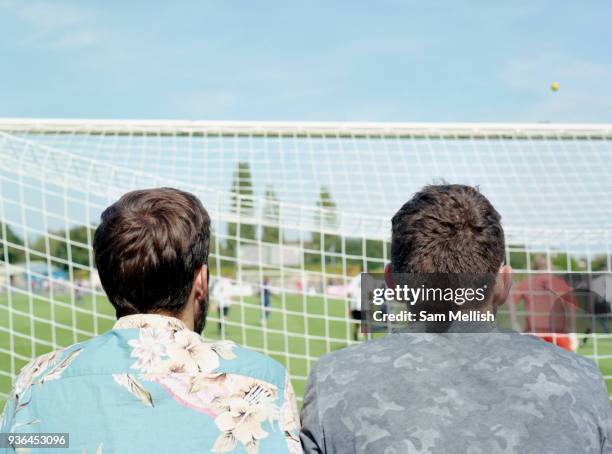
{"type": "Point", "coordinates": [298, 209]}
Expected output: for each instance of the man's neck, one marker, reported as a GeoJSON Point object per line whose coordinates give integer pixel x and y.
{"type": "Point", "coordinates": [185, 316]}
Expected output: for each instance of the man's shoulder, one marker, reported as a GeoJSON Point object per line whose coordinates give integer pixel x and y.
{"type": "Point", "coordinates": [237, 359]}
{"type": "Point", "coordinates": [93, 357]}
{"type": "Point", "coordinates": [385, 344]}
{"type": "Point", "coordinates": [511, 349]}
{"type": "Point", "coordinates": [533, 349]}
{"type": "Point", "coordinates": [358, 357]}
{"type": "Point", "coordinates": [47, 367]}
{"type": "Point", "coordinates": [242, 354]}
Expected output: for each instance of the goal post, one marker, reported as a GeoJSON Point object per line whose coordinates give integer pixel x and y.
{"type": "Point", "coordinates": [298, 209]}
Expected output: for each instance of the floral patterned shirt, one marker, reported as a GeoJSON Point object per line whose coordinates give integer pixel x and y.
{"type": "Point", "coordinates": [151, 385]}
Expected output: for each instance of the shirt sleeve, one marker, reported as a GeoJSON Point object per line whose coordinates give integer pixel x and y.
{"type": "Point", "coordinates": [6, 417]}
{"type": "Point", "coordinates": [605, 413]}
{"type": "Point", "coordinates": [312, 433]}
{"type": "Point", "coordinates": [18, 401]}
{"type": "Point", "coordinates": [10, 415]}
{"type": "Point", "coordinates": [291, 418]}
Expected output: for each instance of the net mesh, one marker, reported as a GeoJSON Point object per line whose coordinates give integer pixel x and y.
{"type": "Point", "coordinates": [298, 210]}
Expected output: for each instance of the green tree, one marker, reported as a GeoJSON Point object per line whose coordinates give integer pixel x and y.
{"type": "Point", "coordinates": [600, 263]}
{"type": "Point", "coordinates": [241, 204]}
{"type": "Point", "coordinates": [271, 233]}
{"type": "Point", "coordinates": [9, 245]}
{"type": "Point", "coordinates": [63, 245]}
{"type": "Point", "coordinates": [367, 254]}
{"type": "Point", "coordinates": [326, 217]}
{"type": "Point", "coordinates": [561, 262]}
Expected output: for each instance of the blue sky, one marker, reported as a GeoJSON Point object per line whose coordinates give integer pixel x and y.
{"type": "Point", "coordinates": [325, 60]}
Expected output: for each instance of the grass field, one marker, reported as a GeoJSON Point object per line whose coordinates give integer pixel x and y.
{"type": "Point", "coordinates": [300, 329]}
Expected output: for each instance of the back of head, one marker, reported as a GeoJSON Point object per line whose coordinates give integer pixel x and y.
{"type": "Point", "coordinates": [458, 383]}
{"type": "Point", "coordinates": [148, 247]}
{"type": "Point", "coordinates": [447, 229]}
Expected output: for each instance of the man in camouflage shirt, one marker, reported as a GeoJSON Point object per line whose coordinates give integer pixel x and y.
{"type": "Point", "coordinates": [455, 392]}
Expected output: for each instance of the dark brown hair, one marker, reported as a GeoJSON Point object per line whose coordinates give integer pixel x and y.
{"type": "Point", "coordinates": [148, 247]}
{"type": "Point", "coordinates": [447, 228]}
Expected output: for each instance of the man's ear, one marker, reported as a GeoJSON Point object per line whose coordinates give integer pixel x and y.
{"type": "Point", "coordinates": [503, 284]}
{"type": "Point", "coordinates": [389, 276]}
{"type": "Point", "coordinates": [200, 283]}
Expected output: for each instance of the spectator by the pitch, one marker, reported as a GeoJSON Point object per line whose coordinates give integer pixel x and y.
{"type": "Point", "coordinates": [152, 384]}
{"type": "Point", "coordinates": [455, 392]}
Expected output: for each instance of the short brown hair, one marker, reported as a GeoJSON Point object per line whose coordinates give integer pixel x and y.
{"type": "Point", "coordinates": [447, 228]}
{"type": "Point", "coordinates": [148, 247]}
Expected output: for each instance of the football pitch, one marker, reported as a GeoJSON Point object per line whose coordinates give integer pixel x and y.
{"type": "Point", "coordinates": [300, 329]}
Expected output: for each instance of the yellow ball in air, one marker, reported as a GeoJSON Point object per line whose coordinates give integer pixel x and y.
{"type": "Point", "coordinates": [554, 86]}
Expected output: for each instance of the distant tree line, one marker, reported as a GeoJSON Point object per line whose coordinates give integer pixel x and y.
{"type": "Point", "coordinates": [328, 249]}
{"type": "Point", "coordinates": [58, 245]}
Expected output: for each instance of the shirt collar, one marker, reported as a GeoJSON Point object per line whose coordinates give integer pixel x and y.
{"type": "Point", "coordinates": [150, 321]}
{"type": "Point", "coordinates": [455, 327]}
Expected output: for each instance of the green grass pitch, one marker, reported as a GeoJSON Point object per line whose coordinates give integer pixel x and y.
{"type": "Point", "coordinates": [300, 329]}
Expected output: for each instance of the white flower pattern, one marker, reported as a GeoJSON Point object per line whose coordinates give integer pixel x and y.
{"type": "Point", "coordinates": [177, 358]}
{"type": "Point", "coordinates": [242, 413]}
{"type": "Point", "coordinates": [168, 359]}
{"type": "Point", "coordinates": [189, 349]}
{"type": "Point", "coordinates": [149, 348]}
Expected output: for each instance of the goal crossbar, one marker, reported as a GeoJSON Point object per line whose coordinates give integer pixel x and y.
{"type": "Point", "coordinates": [308, 129]}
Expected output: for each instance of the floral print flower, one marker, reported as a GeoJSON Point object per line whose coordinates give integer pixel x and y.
{"type": "Point", "coordinates": [239, 424]}
{"type": "Point", "coordinates": [189, 349]}
{"type": "Point", "coordinates": [171, 365]}
{"type": "Point", "coordinates": [134, 387]}
{"type": "Point", "coordinates": [243, 413]}
{"type": "Point", "coordinates": [40, 370]}
{"type": "Point", "coordinates": [223, 349]}
{"type": "Point", "coordinates": [149, 348]}
{"type": "Point", "coordinates": [32, 370]}
{"type": "Point", "coordinates": [184, 365]}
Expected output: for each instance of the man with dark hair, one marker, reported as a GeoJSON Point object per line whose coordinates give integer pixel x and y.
{"type": "Point", "coordinates": [151, 251]}
{"type": "Point", "coordinates": [152, 384]}
{"type": "Point", "coordinates": [456, 391]}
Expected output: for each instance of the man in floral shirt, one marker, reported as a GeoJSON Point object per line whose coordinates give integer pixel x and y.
{"type": "Point", "coordinates": [152, 384]}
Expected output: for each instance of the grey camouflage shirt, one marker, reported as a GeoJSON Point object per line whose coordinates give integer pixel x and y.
{"type": "Point", "coordinates": [456, 393]}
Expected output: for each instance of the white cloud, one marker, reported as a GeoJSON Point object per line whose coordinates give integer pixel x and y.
{"type": "Point", "coordinates": [56, 25]}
